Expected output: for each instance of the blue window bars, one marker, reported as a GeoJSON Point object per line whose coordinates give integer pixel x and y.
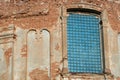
{"type": "Point", "coordinates": [84, 43]}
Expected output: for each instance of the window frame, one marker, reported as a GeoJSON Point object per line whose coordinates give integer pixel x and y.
{"type": "Point", "coordinates": [97, 14]}
{"type": "Point", "coordinates": [104, 24]}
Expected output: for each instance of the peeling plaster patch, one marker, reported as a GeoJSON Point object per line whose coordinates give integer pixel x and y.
{"type": "Point", "coordinates": [7, 55]}
{"type": "Point", "coordinates": [24, 55]}
{"type": "Point", "coordinates": [24, 48]}
{"type": "Point", "coordinates": [55, 70]}
{"type": "Point", "coordinates": [37, 74]}
{"type": "Point", "coordinates": [57, 47]}
{"type": "Point", "coordinates": [24, 51]}
{"type": "Point", "coordinates": [119, 17]}
{"type": "Point", "coordinates": [6, 61]}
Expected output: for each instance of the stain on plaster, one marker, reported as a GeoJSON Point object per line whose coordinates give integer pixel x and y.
{"type": "Point", "coordinates": [38, 74]}
{"type": "Point", "coordinates": [38, 51]}
{"type": "Point", "coordinates": [37, 14]}
{"type": "Point", "coordinates": [57, 46]}
{"type": "Point", "coordinates": [24, 51]}
{"type": "Point", "coordinates": [7, 55]}
{"type": "Point", "coordinates": [55, 70]}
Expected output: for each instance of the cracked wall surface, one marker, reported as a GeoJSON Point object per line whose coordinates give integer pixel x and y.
{"type": "Point", "coordinates": [33, 39]}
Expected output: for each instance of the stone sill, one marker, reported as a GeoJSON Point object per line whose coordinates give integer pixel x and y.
{"type": "Point", "coordinates": [87, 76]}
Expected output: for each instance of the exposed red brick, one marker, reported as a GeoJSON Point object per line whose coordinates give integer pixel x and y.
{"type": "Point", "coordinates": [3, 30]}
{"type": "Point", "coordinates": [52, 15]}
{"type": "Point", "coordinates": [112, 15]}
{"type": "Point", "coordinates": [30, 13]}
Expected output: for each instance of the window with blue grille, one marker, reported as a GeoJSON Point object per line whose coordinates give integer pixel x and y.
{"type": "Point", "coordinates": [84, 43]}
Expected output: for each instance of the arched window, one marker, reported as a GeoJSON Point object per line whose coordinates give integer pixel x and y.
{"type": "Point", "coordinates": [84, 42]}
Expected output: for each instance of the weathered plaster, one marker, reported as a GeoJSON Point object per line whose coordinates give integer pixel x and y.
{"type": "Point", "coordinates": [35, 45]}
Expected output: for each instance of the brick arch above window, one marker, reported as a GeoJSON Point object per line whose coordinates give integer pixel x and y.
{"type": "Point", "coordinates": [84, 6]}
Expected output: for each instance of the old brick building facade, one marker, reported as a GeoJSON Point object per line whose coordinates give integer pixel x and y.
{"type": "Point", "coordinates": [33, 39]}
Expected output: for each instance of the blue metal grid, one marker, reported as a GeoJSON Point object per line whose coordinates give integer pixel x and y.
{"type": "Point", "coordinates": [83, 40]}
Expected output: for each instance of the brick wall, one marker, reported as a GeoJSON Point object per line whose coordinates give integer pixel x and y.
{"type": "Point", "coordinates": [33, 35]}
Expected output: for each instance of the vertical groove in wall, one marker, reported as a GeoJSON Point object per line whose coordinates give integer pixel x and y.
{"type": "Point", "coordinates": [46, 49]}
{"type": "Point", "coordinates": [119, 43]}
{"type": "Point", "coordinates": [30, 44]}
